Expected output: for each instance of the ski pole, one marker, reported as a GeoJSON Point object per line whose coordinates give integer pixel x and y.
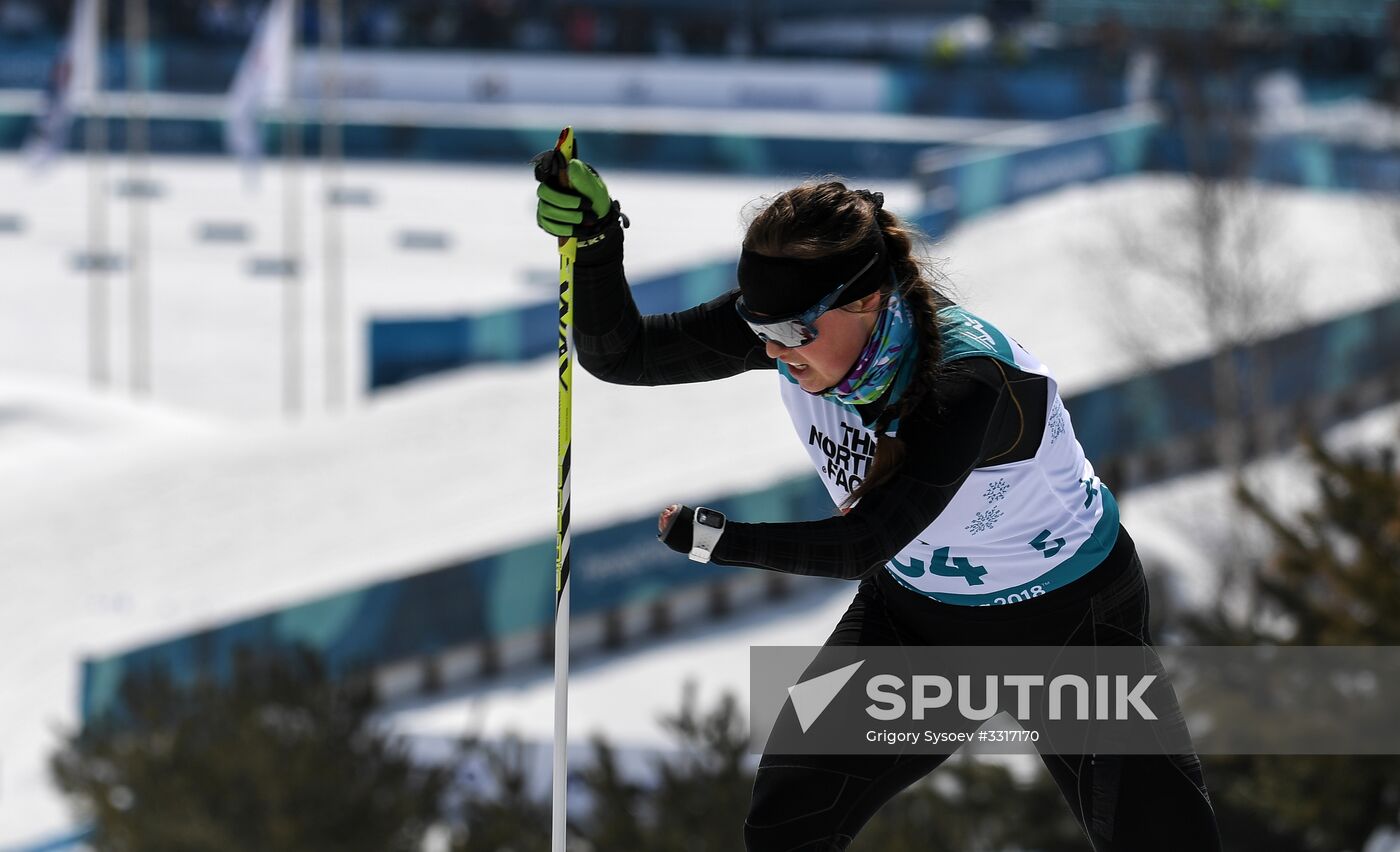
{"type": "Point", "coordinates": [568, 253]}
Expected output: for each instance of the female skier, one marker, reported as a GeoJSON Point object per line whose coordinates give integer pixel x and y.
{"type": "Point", "coordinates": [926, 424]}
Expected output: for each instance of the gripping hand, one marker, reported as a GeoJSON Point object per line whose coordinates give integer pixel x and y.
{"type": "Point", "coordinates": [573, 200]}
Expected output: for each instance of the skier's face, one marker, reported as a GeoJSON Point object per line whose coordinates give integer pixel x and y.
{"type": "Point", "coordinates": [841, 335]}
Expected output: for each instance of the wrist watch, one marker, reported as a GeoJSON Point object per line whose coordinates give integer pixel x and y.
{"type": "Point", "coordinates": [705, 532]}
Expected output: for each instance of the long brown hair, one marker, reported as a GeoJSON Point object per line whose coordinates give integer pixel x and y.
{"type": "Point", "coordinates": [818, 219]}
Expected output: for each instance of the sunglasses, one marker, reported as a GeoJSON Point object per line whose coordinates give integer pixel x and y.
{"type": "Point", "coordinates": [793, 332]}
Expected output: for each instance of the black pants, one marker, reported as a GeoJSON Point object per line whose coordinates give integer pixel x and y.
{"type": "Point", "coordinates": [1125, 803]}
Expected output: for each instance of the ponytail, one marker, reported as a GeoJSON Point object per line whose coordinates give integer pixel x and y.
{"type": "Point", "coordinates": [923, 301]}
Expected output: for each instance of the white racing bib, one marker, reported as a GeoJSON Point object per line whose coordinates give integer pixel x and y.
{"type": "Point", "coordinates": [1012, 532]}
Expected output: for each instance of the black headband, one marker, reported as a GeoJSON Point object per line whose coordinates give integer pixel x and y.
{"type": "Point", "coordinates": [785, 286]}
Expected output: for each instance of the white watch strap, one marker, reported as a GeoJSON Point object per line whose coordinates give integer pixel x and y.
{"type": "Point", "coordinates": [703, 540]}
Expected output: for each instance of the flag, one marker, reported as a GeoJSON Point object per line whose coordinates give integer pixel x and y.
{"type": "Point", "coordinates": [73, 81]}
{"type": "Point", "coordinates": [263, 81]}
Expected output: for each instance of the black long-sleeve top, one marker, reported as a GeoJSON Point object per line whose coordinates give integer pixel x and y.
{"type": "Point", "coordinates": [986, 413]}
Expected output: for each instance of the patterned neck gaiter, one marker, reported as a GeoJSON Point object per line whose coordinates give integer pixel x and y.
{"type": "Point", "coordinates": [878, 363]}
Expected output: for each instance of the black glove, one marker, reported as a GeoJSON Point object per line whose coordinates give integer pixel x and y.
{"type": "Point", "coordinates": [678, 533]}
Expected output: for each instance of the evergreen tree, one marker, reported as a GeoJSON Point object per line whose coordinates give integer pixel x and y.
{"type": "Point", "coordinates": [970, 805]}
{"type": "Point", "coordinates": [702, 795]}
{"type": "Point", "coordinates": [500, 812]}
{"type": "Point", "coordinates": [278, 758]}
{"type": "Point", "coordinates": [622, 806]}
{"type": "Point", "coordinates": [699, 795]}
{"type": "Point", "coordinates": [1332, 578]}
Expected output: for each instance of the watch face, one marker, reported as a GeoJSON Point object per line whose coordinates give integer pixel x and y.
{"type": "Point", "coordinates": [708, 518]}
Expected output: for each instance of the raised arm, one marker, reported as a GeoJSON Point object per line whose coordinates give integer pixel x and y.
{"type": "Point", "coordinates": [615, 342]}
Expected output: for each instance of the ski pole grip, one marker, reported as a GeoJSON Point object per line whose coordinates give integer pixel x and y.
{"type": "Point", "coordinates": [553, 169]}
{"type": "Point", "coordinates": [565, 150]}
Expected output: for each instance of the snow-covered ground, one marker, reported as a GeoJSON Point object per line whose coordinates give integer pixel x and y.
{"type": "Point", "coordinates": [121, 523]}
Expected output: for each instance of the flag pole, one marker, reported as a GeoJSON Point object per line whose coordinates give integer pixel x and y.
{"type": "Point", "coordinates": [138, 242]}
{"type": "Point", "coordinates": [291, 236]}
{"type": "Point", "coordinates": [99, 366]}
{"type": "Point", "coordinates": [331, 235]}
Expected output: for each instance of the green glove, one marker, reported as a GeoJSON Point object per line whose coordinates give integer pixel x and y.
{"type": "Point", "coordinates": [584, 210]}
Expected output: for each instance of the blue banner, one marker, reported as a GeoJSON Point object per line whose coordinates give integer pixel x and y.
{"type": "Point", "coordinates": [959, 185]}
{"type": "Point", "coordinates": [403, 349]}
